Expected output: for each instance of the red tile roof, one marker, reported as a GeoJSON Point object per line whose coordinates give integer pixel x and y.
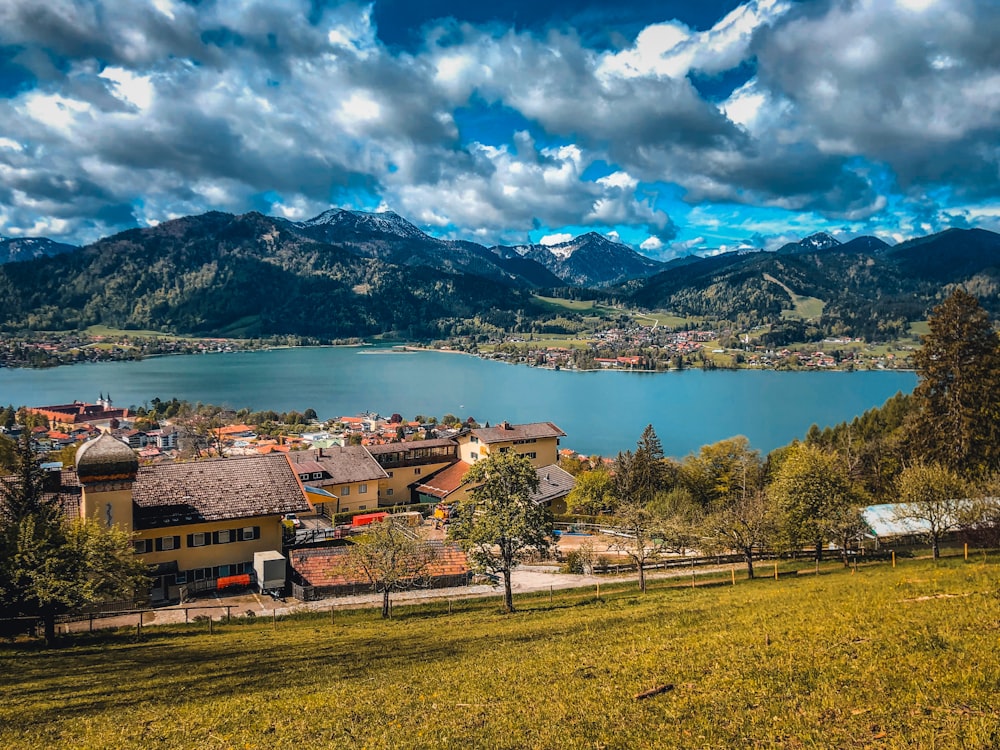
{"type": "Point", "coordinates": [326, 567]}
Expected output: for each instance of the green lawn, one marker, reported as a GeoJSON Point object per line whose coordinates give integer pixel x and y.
{"type": "Point", "coordinates": [886, 658]}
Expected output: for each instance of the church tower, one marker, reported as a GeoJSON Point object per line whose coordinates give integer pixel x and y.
{"type": "Point", "coordinates": [107, 468]}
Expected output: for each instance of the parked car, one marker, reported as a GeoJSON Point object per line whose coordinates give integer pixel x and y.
{"type": "Point", "coordinates": [294, 520]}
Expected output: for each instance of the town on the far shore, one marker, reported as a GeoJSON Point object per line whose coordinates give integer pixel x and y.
{"type": "Point", "coordinates": [625, 347]}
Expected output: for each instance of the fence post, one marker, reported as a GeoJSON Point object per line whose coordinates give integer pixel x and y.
{"type": "Point", "coordinates": [966, 551]}
{"type": "Point", "coordinates": [331, 614]}
{"type": "Point", "coordinates": [893, 558]}
{"type": "Point", "coordinates": [732, 570]}
{"type": "Point", "coordinates": [776, 570]}
{"type": "Point", "coordinates": [186, 615]}
{"type": "Point", "coordinates": [91, 622]}
{"type": "Point", "coordinates": [274, 619]}
{"type": "Point", "coordinates": [229, 617]}
{"type": "Point", "coordinates": [550, 594]}
{"type": "Point", "coordinates": [210, 626]}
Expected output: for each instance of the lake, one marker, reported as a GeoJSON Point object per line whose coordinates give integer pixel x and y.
{"type": "Point", "coordinates": [601, 412]}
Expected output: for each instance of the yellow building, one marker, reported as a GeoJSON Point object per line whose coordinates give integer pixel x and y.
{"type": "Point", "coordinates": [408, 463]}
{"type": "Point", "coordinates": [348, 473]}
{"type": "Point", "coordinates": [537, 441]}
{"type": "Point", "coordinates": [194, 522]}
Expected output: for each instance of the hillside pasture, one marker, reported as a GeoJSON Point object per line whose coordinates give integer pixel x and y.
{"type": "Point", "coordinates": [884, 657]}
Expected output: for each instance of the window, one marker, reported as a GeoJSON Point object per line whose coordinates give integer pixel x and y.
{"type": "Point", "coordinates": [416, 472]}
{"type": "Point", "coordinates": [317, 475]}
{"type": "Point", "coordinates": [345, 491]}
{"type": "Point", "coordinates": [141, 546]}
{"type": "Point", "coordinates": [168, 543]}
{"type": "Point", "coordinates": [505, 450]}
{"type": "Point", "coordinates": [362, 507]}
{"type": "Point", "coordinates": [362, 489]}
{"type": "Point", "coordinates": [388, 492]}
{"type": "Point", "coordinates": [303, 477]}
{"type": "Point", "coordinates": [225, 570]}
{"type": "Point", "coordinates": [249, 532]}
{"type": "Point", "coordinates": [475, 439]}
{"type": "Point", "coordinates": [225, 536]}
{"type": "Point", "coordinates": [531, 455]}
{"type": "Point", "coordinates": [181, 577]}
{"type": "Point", "coordinates": [199, 540]}
{"type": "Point", "coordinates": [390, 474]}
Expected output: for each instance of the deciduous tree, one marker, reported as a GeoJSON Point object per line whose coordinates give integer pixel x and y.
{"type": "Point", "coordinates": [390, 559]}
{"type": "Point", "coordinates": [934, 497]}
{"type": "Point", "coordinates": [498, 522]}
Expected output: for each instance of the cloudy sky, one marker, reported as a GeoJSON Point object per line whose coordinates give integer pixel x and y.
{"type": "Point", "coordinates": [675, 126]}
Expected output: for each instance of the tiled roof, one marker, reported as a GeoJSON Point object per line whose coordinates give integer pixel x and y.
{"type": "Point", "coordinates": [444, 482]}
{"type": "Point", "coordinates": [350, 463]}
{"type": "Point", "coordinates": [325, 566]}
{"type": "Point", "coordinates": [553, 483]}
{"type": "Point", "coordinates": [505, 432]}
{"type": "Point", "coordinates": [308, 467]}
{"type": "Point", "coordinates": [215, 490]}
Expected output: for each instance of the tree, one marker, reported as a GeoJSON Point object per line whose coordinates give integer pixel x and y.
{"type": "Point", "coordinates": [934, 497]}
{"type": "Point", "coordinates": [741, 522]}
{"type": "Point", "coordinates": [593, 492]}
{"type": "Point", "coordinates": [641, 539]}
{"type": "Point", "coordinates": [50, 564]}
{"type": "Point", "coordinates": [498, 522]}
{"type": "Point", "coordinates": [811, 491]}
{"type": "Point", "coordinates": [957, 422]}
{"type": "Point", "coordinates": [640, 475]}
{"type": "Point", "coordinates": [721, 470]}
{"type": "Point", "coordinates": [390, 559]}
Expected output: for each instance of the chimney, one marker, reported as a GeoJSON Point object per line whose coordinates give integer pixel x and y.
{"type": "Point", "coordinates": [321, 452]}
{"type": "Point", "coordinates": [506, 425]}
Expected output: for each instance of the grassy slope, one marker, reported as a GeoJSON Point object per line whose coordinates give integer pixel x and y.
{"type": "Point", "coordinates": [885, 658]}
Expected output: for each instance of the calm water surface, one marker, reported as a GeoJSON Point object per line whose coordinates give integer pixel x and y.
{"type": "Point", "coordinates": [601, 412]}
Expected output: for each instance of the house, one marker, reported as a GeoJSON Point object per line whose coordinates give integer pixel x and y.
{"type": "Point", "coordinates": [537, 441]}
{"type": "Point", "coordinates": [449, 486]}
{"type": "Point", "coordinates": [407, 463]}
{"type": "Point", "coordinates": [193, 522]}
{"type": "Point", "coordinates": [67, 415]}
{"type": "Point", "coordinates": [347, 473]}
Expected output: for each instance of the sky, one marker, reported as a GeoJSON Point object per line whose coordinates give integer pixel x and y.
{"type": "Point", "coordinates": [675, 127]}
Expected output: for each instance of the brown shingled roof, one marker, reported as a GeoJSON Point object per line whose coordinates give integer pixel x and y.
{"type": "Point", "coordinates": [215, 490]}
{"type": "Point", "coordinates": [349, 463]}
{"type": "Point", "coordinates": [506, 431]}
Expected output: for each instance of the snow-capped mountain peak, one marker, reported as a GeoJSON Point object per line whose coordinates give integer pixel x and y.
{"type": "Point", "coordinates": [819, 241]}
{"type": "Point", "coordinates": [384, 222]}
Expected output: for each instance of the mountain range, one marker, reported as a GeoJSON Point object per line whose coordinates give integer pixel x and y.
{"type": "Point", "coordinates": [351, 273]}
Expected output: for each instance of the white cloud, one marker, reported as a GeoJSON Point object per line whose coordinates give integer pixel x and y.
{"type": "Point", "coordinates": [555, 239]}
{"type": "Point", "coordinates": [651, 244]}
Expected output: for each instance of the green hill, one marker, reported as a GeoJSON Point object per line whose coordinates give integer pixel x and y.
{"type": "Point", "coordinates": [885, 658]}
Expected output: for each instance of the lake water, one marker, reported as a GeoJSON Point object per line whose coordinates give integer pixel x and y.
{"type": "Point", "coordinates": [601, 412]}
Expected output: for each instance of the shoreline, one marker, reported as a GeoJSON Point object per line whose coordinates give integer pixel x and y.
{"type": "Point", "coordinates": [379, 348]}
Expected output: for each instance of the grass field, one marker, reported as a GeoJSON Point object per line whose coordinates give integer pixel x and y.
{"type": "Point", "coordinates": [884, 658]}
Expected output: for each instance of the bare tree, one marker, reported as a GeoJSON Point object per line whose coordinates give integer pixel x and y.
{"type": "Point", "coordinates": [390, 559]}
{"type": "Point", "coordinates": [641, 540]}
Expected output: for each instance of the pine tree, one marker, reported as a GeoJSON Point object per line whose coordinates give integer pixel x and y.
{"type": "Point", "coordinates": [957, 421]}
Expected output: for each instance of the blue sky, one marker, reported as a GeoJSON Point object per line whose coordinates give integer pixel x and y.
{"type": "Point", "coordinates": [676, 127]}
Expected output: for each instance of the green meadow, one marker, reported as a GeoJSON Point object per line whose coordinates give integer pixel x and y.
{"type": "Point", "coordinates": [879, 658]}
